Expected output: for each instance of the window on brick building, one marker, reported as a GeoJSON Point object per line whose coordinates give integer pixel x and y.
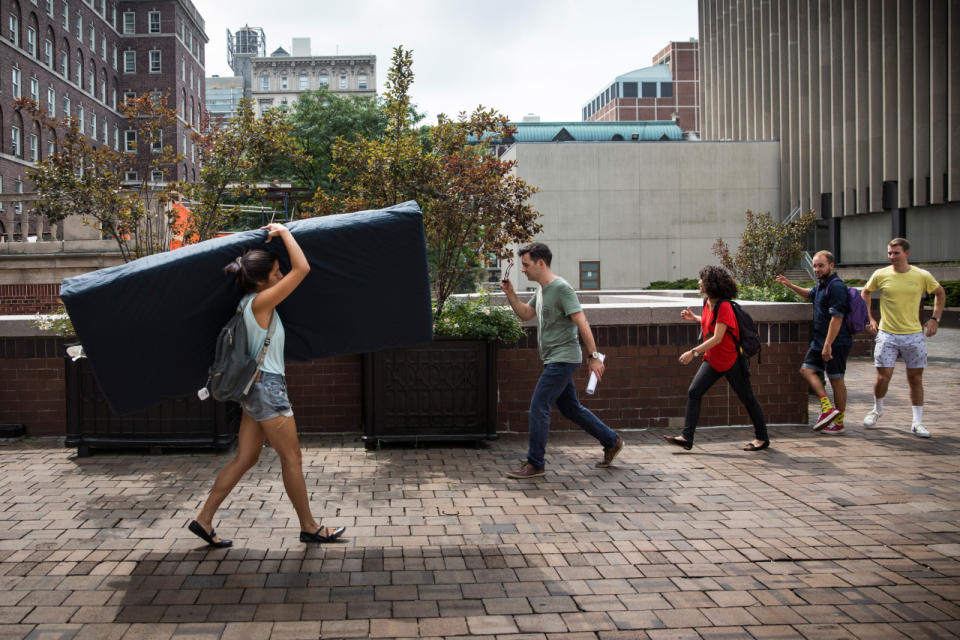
{"type": "Point", "coordinates": [666, 89]}
{"type": "Point", "coordinates": [154, 21]}
{"type": "Point", "coordinates": [64, 64]}
{"type": "Point", "coordinates": [15, 83]}
{"type": "Point", "coordinates": [34, 148]}
{"type": "Point", "coordinates": [64, 15]}
{"type": "Point", "coordinates": [129, 22]}
{"type": "Point", "coordinates": [131, 176]}
{"type": "Point", "coordinates": [34, 89]}
{"type": "Point", "coordinates": [81, 120]}
{"type": "Point", "coordinates": [156, 145]}
{"type": "Point", "coordinates": [78, 26]}
{"type": "Point", "coordinates": [156, 176]}
{"type": "Point", "coordinates": [66, 106]}
{"type": "Point", "coordinates": [52, 102]}
{"type": "Point", "coordinates": [648, 89]}
{"type": "Point", "coordinates": [129, 61]}
{"type": "Point", "coordinates": [15, 140]}
{"type": "Point", "coordinates": [14, 30]}
{"type": "Point", "coordinates": [48, 53]}
{"type": "Point", "coordinates": [130, 140]}
{"type": "Point", "coordinates": [93, 39]}
{"type": "Point", "coordinates": [155, 61]}
{"type": "Point", "coordinates": [32, 41]}
{"type": "Point", "coordinates": [49, 7]}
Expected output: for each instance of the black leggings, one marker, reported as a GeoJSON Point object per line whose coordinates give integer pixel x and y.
{"type": "Point", "coordinates": [739, 378]}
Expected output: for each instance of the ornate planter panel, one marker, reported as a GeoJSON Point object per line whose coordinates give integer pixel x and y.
{"type": "Point", "coordinates": [441, 390]}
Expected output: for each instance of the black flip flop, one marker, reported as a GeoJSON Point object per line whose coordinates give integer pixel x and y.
{"type": "Point", "coordinates": [753, 447]}
{"type": "Point", "coordinates": [306, 536]}
{"type": "Point", "coordinates": [197, 529]}
{"type": "Point", "coordinates": [679, 442]}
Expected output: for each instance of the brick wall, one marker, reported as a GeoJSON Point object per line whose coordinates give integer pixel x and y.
{"type": "Point", "coordinates": [27, 299]}
{"type": "Point", "coordinates": [33, 389]}
{"type": "Point", "coordinates": [644, 385]}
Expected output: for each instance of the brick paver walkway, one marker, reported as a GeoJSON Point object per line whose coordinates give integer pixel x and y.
{"type": "Point", "coordinates": [849, 536]}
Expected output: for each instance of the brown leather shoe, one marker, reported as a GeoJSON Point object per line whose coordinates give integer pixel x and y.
{"type": "Point", "coordinates": [609, 453]}
{"type": "Point", "coordinates": [526, 470]}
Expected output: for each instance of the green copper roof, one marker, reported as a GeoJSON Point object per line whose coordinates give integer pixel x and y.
{"type": "Point", "coordinates": [577, 131]}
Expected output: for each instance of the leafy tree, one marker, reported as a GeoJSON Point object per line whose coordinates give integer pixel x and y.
{"type": "Point", "coordinates": [318, 120]}
{"type": "Point", "coordinates": [86, 179]}
{"type": "Point", "coordinates": [767, 248]}
{"type": "Point", "coordinates": [231, 158]}
{"type": "Point", "coordinates": [472, 203]}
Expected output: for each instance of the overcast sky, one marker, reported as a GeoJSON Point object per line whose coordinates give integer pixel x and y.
{"type": "Point", "coordinates": [546, 57]}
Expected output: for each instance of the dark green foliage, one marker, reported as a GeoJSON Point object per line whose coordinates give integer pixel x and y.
{"type": "Point", "coordinates": [767, 248]}
{"type": "Point", "coordinates": [476, 318]}
{"type": "Point", "coordinates": [682, 283]}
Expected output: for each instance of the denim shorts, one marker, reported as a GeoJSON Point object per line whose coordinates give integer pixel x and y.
{"type": "Point", "coordinates": [267, 398]}
{"type": "Point", "coordinates": [835, 368]}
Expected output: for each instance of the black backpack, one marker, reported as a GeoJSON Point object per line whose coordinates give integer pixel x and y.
{"type": "Point", "coordinates": [233, 371]}
{"type": "Point", "coordinates": [749, 342]}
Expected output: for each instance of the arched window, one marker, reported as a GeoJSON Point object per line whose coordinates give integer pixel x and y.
{"type": "Point", "coordinates": [16, 27]}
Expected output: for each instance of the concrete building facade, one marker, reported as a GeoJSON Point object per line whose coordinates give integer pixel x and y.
{"type": "Point", "coordinates": [864, 96]}
{"type": "Point", "coordinates": [620, 215]}
{"type": "Point", "coordinates": [81, 58]}
{"type": "Point", "coordinates": [223, 97]}
{"type": "Point", "coordinates": [668, 90]}
{"type": "Point", "coordinates": [279, 79]}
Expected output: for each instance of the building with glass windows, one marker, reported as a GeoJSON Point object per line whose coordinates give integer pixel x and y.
{"type": "Point", "coordinates": [279, 79]}
{"type": "Point", "coordinates": [223, 98]}
{"type": "Point", "coordinates": [80, 59]}
{"type": "Point", "coordinates": [667, 90]}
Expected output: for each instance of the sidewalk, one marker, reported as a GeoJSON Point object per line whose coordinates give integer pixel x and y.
{"type": "Point", "coordinates": [848, 536]}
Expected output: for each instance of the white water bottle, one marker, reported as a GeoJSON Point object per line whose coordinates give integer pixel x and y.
{"type": "Point", "coordinates": [592, 383]}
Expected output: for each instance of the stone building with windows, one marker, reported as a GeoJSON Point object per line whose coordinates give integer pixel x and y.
{"type": "Point", "coordinates": [279, 79]}
{"type": "Point", "coordinates": [667, 90]}
{"type": "Point", "coordinates": [81, 59]}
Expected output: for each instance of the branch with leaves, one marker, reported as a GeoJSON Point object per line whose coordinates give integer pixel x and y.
{"type": "Point", "coordinates": [767, 248]}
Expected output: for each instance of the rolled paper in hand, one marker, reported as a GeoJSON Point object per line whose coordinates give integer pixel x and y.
{"type": "Point", "coordinates": [592, 383]}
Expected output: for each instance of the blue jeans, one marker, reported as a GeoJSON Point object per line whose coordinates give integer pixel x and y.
{"type": "Point", "coordinates": [555, 387]}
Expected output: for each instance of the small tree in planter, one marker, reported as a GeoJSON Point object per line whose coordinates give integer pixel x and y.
{"type": "Point", "coordinates": [767, 248]}
{"type": "Point", "coordinates": [472, 203]}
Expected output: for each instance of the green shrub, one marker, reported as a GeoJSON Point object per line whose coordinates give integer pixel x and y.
{"type": "Point", "coordinates": [771, 293]}
{"type": "Point", "coordinates": [58, 323]}
{"type": "Point", "coordinates": [682, 283]}
{"type": "Point", "coordinates": [478, 319]}
{"type": "Point", "coordinates": [952, 287]}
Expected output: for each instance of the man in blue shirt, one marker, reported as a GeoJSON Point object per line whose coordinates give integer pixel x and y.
{"type": "Point", "coordinates": [831, 341]}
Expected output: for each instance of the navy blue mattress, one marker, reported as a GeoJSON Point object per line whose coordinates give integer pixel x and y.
{"type": "Point", "coordinates": [149, 326]}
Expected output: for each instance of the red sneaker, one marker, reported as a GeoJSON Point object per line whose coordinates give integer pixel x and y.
{"type": "Point", "coordinates": [826, 418]}
{"type": "Point", "coordinates": [834, 428]}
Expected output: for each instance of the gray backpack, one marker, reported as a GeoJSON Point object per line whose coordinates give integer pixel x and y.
{"type": "Point", "coordinates": [233, 371]}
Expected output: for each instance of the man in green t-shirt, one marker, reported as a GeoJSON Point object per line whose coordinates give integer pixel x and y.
{"type": "Point", "coordinates": [900, 333]}
{"type": "Point", "coordinates": [559, 319]}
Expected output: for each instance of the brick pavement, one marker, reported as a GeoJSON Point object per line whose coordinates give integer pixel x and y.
{"type": "Point", "coordinates": [848, 536]}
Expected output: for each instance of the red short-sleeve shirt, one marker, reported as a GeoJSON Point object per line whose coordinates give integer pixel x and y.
{"type": "Point", "coordinates": [724, 355]}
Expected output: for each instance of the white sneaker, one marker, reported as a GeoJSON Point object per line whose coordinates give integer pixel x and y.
{"type": "Point", "coordinates": [870, 420]}
{"type": "Point", "coordinates": [919, 430]}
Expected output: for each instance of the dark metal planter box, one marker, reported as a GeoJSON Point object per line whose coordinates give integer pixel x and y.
{"type": "Point", "coordinates": [184, 422]}
{"type": "Point", "coordinates": [442, 390]}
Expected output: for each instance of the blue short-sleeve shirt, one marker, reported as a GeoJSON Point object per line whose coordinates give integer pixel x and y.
{"type": "Point", "coordinates": [830, 301]}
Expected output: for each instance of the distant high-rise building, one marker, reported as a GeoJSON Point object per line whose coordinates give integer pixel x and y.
{"type": "Point", "coordinates": [279, 79]}
{"type": "Point", "coordinates": [223, 98]}
{"type": "Point", "coordinates": [668, 90]}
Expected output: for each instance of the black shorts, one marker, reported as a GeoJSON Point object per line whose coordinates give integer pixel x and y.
{"type": "Point", "coordinates": [835, 368]}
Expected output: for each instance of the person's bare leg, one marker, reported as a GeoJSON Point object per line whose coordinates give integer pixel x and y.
{"type": "Point", "coordinates": [282, 434]}
{"type": "Point", "coordinates": [839, 393]}
{"type": "Point", "coordinates": [882, 383]}
{"type": "Point", "coordinates": [915, 380]}
{"type": "Point", "coordinates": [813, 380]}
{"type": "Point", "coordinates": [249, 444]}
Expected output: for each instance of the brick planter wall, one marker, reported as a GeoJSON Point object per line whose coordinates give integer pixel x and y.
{"type": "Point", "coordinates": [644, 385]}
{"type": "Point", "coordinates": [33, 391]}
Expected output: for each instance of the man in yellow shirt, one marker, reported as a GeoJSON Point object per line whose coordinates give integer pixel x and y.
{"type": "Point", "coordinates": [900, 332]}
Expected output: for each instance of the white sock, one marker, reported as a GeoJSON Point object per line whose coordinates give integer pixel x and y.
{"type": "Point", "coordinates": [878, 404]}
{"type": "Point", "coordinates": [917, 414]}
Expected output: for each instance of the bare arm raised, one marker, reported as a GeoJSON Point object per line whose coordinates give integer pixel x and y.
{"type": "Point", "coordinates": [280, 286]}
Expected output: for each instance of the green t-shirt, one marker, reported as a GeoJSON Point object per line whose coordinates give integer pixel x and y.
{"type": "Point", "coordinates": [556, 333]}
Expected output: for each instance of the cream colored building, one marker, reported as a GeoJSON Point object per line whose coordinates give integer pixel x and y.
{"type": "Point", "coordinates": [279, 79]}
{"type": "Point", "coordinates": [622, 214]}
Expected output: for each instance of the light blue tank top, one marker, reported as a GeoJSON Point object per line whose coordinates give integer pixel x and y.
{"type": "Point", "coordinates": [256, 335]}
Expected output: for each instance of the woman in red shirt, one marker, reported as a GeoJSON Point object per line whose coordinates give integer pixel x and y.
{"type": "Point", "coordinates": [721, 358]}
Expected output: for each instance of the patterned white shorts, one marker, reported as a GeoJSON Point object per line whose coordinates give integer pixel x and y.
{"type": "Point", "coordinates": [911, 346]}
